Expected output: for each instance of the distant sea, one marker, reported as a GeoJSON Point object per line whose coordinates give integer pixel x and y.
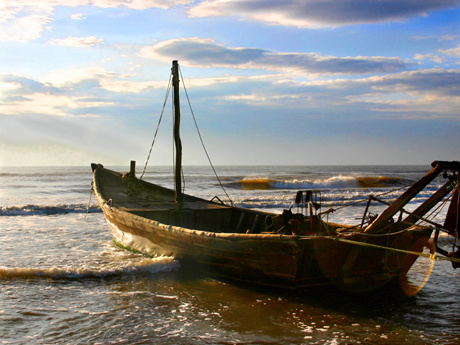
{"type": "Point", "coordinates": [63, 281]}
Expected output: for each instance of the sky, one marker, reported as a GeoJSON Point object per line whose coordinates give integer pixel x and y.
{"type": "Point", "coordinates": [292, 82]}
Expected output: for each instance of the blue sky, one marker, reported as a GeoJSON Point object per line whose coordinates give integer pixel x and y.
{"type": "Point", "coordinates": [293, 82]}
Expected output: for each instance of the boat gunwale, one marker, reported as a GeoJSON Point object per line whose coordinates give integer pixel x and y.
{"type": "Point", "coordinates": [231, 236]}
{"type": "Point", "coordinates": [225, 236]}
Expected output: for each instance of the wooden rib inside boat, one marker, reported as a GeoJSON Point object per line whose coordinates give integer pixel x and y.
{"type": "Point", "coordinates": [291, 250]}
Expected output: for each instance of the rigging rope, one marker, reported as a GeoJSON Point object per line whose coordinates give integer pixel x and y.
{"type": "Point", "coordinates": [362, 200]}
{"type": "Point", "coordinates": [199, 134]}
{"type": "Point", "coordinates": [435, 212]}
{"type": "Point", "coordinates": [89, 202]}
{"type": "Point", "coordinates": [364, 244]}
{"type": "Point", "coordinates": [201, 139]}
{"type": "Point", "coordinates": [158, 126]}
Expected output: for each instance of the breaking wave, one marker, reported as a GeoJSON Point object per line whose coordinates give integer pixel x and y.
{"type": "Point", "coordinates": [147, 265]}
{"type": "Point", "coordinates": [46, 210]}
{"type": "Point", "coordinates": [335, 182]}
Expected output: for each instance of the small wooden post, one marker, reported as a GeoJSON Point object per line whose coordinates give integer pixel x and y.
{"type": "Point", "coordinates": [132, 170]}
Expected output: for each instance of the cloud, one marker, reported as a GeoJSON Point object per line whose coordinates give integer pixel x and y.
{"type": "Point", "coordinates": [207, 53]}
{"type": "Point", "coordinates": [320, 13]}
{"type": "Point", "coordinates": [201, 52]}
{"type": "Point", "coordinates": [25, 96]}
{"type": "Point", "coordinates": [431, 57]}
{"type": "Point", "coordinates": [70, 77]}
{"type": "Point", "coordinates": [444, 83]}
{"type": "Point", "coordinates": [126, 86]}
{"type": "Point", "coordinates": [89, 91]}
{"type": "Point", "coordinates": [139, 4]}
{"type": "Point", "coordinates": [454, 52]}
{"type": "Point", "coordinates": [58, 154]}
{"type": "Point", "coordinates": [24, 29]}
{"type": "Point", "coordinates": [448, 37]}
{"type": "Point", "coordinates": [64, 93]}
{"type": "Point", "coordinates": [423, 94]}
{"type": "Point", "coordinates": [439, 38]}
{"type": "Point", "coordinates": [8, 85]}
{"type": "Point", "coordinates": [77, 16]}
{"type": "Point", "coordinates": [25, 20]}
{"type": "Point", "coordinates": [48, 104]}
{"type": "Point", "coordinates": [418, 94]}
{"type": "Point", "coordinates": [451, 52]}
{"type": "Point", "coordinates": [80, 42]}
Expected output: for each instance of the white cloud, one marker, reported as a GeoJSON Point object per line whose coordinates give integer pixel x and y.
{"type": "Point", "coordinates": [25, 20]}
{"type": "Point", "coordinates": [426, 94]}
{"type": "Point", "coordinates": [77, 16]}
{"type": "Point", "coordinates": [434, 91]}
{"type": "Point", "coordinates": [24, 29]}
{"type": "Point", "coordinates": [47, 104]}
{"type": "Point", "coordinates": [448, 37]}
{"type": "Point", "coordinates": [438, 38]}
{"type": "Point", "coordinates": [139, 4]}
{"type": "Point", "coordinates": [57, 154]}
{"type": "Point", "coordinates": [200, 52]}
{"type": "Point", "coordinates": [81, 42]}
{"type": "Point", "coordinates": [431, 57]}
{"type": "Point", "coordinates": [66, 93]}
{"type": "Point", "coordinates": [207, 53]}
{"type": "Point", "coordinates": [67, 78]}
{"type": "Point", "coordinates": [6, 86]}
{"type": "Point", "coordinates": [320, 13]}
{"type": "Point", "coordinates": [110, 81]}
{"type": "Point", "coordinates": [126, 86]}
{"type": "Point", "coordinates": [451, 52]}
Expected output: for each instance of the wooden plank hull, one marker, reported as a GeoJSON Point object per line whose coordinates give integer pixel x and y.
{"type": "Point", "coordinates": [215, 239]}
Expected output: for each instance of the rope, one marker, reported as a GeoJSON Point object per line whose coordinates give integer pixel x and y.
{"type": "Point", "coordinates": [364, 244]}
{"type": "Point", "coordinates": [89, 202]}
{"type": "Point", "coordinates": [435, 212]}
{"type": "Point", "coordinates": [201, 139]}
{"type": "Point", "coordinates": [362, 200]}
{"type": "Point", "coordinates": [158, 126]}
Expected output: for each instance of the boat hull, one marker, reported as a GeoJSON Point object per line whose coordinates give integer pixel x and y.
{"type": "Point", "coordinates": [277, 260]}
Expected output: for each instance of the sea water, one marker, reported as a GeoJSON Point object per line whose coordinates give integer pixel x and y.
{"type": "Point", "coordinates": [63, 281]}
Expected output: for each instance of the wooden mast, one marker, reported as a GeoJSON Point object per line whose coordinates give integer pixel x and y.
{"type": "Point", "coordinates": [177, 141]}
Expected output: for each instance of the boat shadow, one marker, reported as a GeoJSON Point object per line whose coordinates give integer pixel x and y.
{"type": "Point", "coordinates": [383, 301]}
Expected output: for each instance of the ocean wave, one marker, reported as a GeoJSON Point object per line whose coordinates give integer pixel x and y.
{"type": "Point", "coordinates": [46, 210]}
{"type": "Point", "coordinates": [335, 182]}
{"type": "Point", "coordinates": [330, 197]}
{"type": "Point", "coordinates": [146, 266]}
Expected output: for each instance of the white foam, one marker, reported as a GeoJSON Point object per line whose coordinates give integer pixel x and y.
{"type": "Point", "coordinates": [147, 265]}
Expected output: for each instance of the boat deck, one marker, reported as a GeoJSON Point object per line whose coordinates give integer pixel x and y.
{"type": "Point", "coordinates": [133, 195]}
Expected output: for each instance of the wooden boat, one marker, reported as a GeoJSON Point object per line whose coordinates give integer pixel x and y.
{"type": "Point", "coordinates": [290, 250]}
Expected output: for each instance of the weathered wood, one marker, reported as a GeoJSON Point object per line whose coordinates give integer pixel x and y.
{"type": "Point", "coordinates": [208, 233]}
{"type": "Point", "coordinates": [405, 224]}
{"type": "Point", "coordinates": [177, 141]}
{"type": "Point", "coordinates": [132, 169]}
{"type": "Point", "coordinates": [452, 166]}
{"type": "Point", "coordinates": [382, 220]}
{"type": "Point", "coordinates": [429, 203]}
